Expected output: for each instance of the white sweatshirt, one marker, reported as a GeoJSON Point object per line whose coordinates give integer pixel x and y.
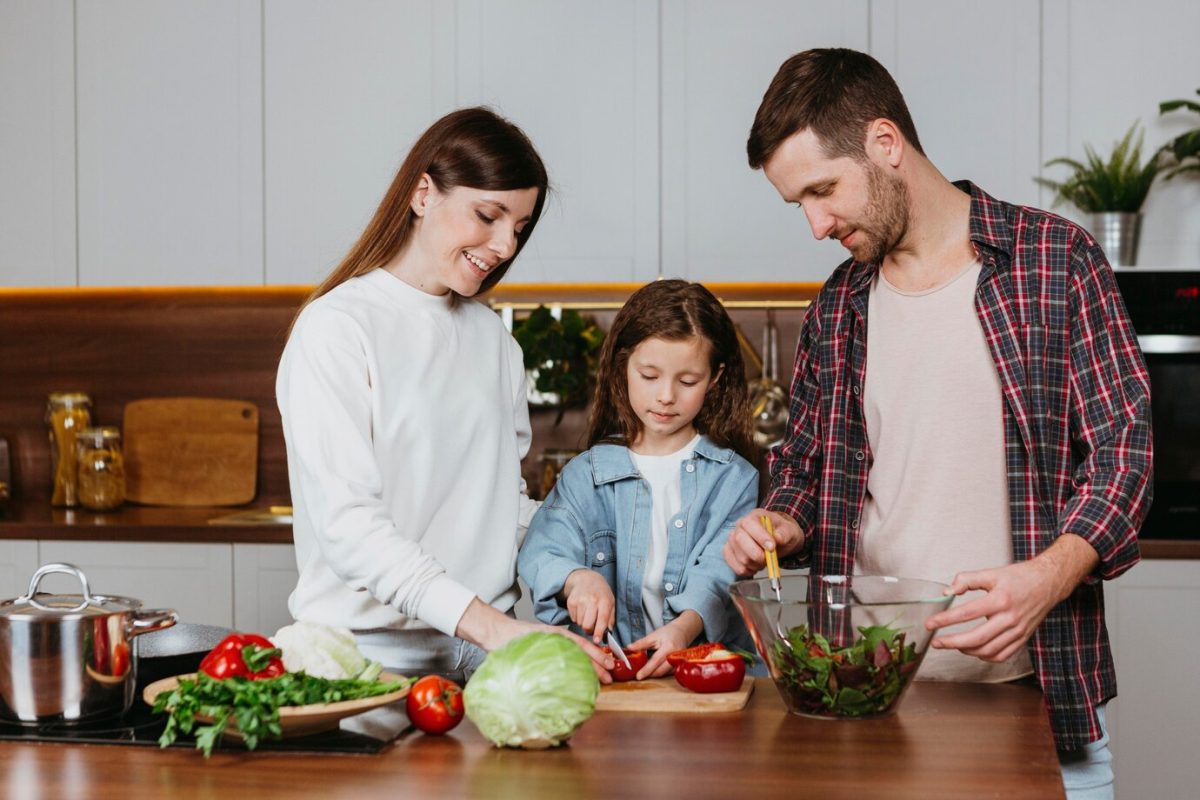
{"type": "Point", "coordinates": [405, 421]}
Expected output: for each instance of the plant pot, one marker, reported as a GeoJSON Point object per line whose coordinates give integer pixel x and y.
{"type": "Point", "coordinates": [1117, 234]}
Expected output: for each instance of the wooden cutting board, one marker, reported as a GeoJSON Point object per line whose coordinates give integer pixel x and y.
{"type": "Point", "coordinates": [191, 451]}
{"type": "Point", "coordinates": [665, 695]}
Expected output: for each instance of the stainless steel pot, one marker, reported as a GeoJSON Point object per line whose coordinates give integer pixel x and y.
{"type": "Point", "coordinates": [70, 657]}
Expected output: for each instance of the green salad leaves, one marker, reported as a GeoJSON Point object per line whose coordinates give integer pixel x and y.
{"type": "Point", "coordinates": [864, 678]}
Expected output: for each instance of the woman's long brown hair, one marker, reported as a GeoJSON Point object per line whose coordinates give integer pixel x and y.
{"type": "Point", "coordinates": [673, 310]}
{"type": "Point", "coordinates": [471, 147]}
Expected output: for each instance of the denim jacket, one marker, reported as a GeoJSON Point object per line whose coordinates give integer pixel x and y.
{"type": "Point", "coordinates": [598, 517]}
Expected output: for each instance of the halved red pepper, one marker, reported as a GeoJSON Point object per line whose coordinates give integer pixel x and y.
{"type": "Point", "coordinates": [719, 670]}
{"type": "Point", "coordinates": [693, 653]}
{"type": "Point", "coordinates": [243, 655]}
{"type": "Point", "coordinates": [637, 660]}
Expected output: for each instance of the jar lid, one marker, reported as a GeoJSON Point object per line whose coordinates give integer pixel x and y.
{"type": "Point", "coordinates": [35, 606]}
{"type": "Point", "coordinates": [70, 398]}
{"type": "Point", "coordinates": [99, 436]}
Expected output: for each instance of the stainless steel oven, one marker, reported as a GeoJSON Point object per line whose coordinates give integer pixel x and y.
{"type": "Point", "coordinates": [1164, 306]}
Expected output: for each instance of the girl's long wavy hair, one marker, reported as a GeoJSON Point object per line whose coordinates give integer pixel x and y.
{"type": "Point", "coordinates": [674, 310]}
{"type": "Point", "coordinates": [471, 147]}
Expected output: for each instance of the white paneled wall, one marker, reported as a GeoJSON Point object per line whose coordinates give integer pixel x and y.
{"type": "Point", "coordinates": [37, 143]}
{"type": "Point", "coordinates": [721, 221]}
{"type": "Point", "coordinates": [248, 141]}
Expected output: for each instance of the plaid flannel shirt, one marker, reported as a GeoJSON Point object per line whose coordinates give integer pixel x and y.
{"type": "Point", "coordinates": [1076, 429]}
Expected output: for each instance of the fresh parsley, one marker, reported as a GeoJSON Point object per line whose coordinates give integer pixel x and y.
{"type": "Point", "coordinates": [207, 706]}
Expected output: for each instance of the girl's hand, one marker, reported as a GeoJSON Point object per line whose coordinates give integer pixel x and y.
{"type": "Point", "coordinates": [675, 635]}
{"type": "Point", "coordinates": [590, 603]}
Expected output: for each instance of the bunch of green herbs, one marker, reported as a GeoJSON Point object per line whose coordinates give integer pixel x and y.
{"type": "Point", "coordinates": [1119, 184]}
{"type": "Point", "coordinates": [864, 678]}
{"type": "Point", "coordinates": [206, 706]}
{"type": "Point", "coordinates": [561, 353]}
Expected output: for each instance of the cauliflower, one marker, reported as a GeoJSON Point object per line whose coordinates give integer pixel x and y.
{"type": "Point", "coordinates": [323, 651]}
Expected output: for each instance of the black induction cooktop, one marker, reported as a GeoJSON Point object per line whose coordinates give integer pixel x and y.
{"type": "Point", "coordinates": [141, 726]}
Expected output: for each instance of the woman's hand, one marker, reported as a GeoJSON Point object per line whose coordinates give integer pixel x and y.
{"type": "Point", "coordinates": [590, 603]}
{"type": "Point", "coordinates": [485, 626]}
{"type": "Point", "coordinates": [675, 635]}
{"type": "Point", "coordinates": [745, 549]}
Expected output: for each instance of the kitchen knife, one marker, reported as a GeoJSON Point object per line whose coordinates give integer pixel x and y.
{"type": "Point", "coordinates": [617, 651]}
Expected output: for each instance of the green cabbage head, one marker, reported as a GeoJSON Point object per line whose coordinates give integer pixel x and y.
{"type": "Point", "coordinates": [533, 692]}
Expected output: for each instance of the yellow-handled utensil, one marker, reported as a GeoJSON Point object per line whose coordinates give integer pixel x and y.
{"type": "Point", "coordinates": [772, 558]}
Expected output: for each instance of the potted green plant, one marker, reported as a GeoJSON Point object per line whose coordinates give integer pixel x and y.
{"type": "Point", "coordinates": [1112, 191]}
{"type": "Point", "coordinates": [1182, 152]}
{"type": "Point", "coordinates": [560, 356]}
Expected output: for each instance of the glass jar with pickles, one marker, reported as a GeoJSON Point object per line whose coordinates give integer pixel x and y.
{"type": "Point", "coordinates": [67, 413]}
{"type": "Point", "coordinates": [101, 468]}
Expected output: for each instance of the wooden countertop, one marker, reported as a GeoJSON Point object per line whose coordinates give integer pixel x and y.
{"type": "Point", "coordinates": [946, 741]}
{"type": "Point", "coordinates": [154, 524]}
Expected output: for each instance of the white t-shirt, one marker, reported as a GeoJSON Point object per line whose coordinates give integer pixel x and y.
{"type": "Point", "coordinates": [662, 473]}
{"type": "Point", "coordinates": [937, 493]}
{"type": "Point", "coordinates": [405, 420]}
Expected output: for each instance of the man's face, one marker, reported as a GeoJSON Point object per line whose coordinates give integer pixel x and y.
{"type": "Point", "coordinates": [855, 202]}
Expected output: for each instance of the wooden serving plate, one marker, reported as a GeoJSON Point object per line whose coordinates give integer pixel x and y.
{"type": "Point", "coordinates": [297, 720]}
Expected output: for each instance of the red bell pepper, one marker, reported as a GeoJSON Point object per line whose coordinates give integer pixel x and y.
{"type": "Point", "coordinates": [243, 655]}
{"type": "Point", "coordinates": [637, 660]}
{"type": "Point", "coordinates": [719, 670]}
{"type": "Point", "coordinates": [693, 653]}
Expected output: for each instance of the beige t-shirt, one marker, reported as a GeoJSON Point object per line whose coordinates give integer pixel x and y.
{"type": "Point", "coordinates": [937, 493]}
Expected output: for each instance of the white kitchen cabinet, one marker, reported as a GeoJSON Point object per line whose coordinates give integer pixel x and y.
{"type": "Point", "coordinates": [581, 78]}
{"type": "Point", "coordinates": [1107, 63]}
{"type": "Point", "coordinates": [37, 143]}
{"type": "Point", "coordinates": [1153, 617]}
{"type": "Point", "coordinates": [721, 221]}
{"type": "Point", "coordinates": [348, 88]}
{"type": "Point", "coordinates": [970, 74]}
{"type": "Point", "coordinates": [194, 579]}
{"type": "Point", "coordinates": [18, 562]}
{"type": "Point", "coordinates": [264, 575]}
{"type": "Point", "coordinates": [169, 99]}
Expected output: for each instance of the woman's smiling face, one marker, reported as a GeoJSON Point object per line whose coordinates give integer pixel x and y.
{"type": "Point", "coordinates": [462, 234]}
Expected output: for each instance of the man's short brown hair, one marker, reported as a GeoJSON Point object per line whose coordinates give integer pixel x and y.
{"type": "Point", "coordinates": [835, 92]}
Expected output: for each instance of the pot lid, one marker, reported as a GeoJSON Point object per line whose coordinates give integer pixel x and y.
{"type": "Point", "coordinates": [35, 606]}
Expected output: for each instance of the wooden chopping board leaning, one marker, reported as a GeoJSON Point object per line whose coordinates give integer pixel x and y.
{"type": "Point", "coordinates": [191, 451]}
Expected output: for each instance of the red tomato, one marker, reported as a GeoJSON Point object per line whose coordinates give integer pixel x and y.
{"type": "Point", "coordinates": [637, 660]}
{"type": "Point", "coordinates": [435, 705]}
{"type": "Point", "coordinates": [693, 653]}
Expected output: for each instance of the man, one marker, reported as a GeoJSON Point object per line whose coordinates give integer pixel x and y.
{"type": "Point", "coordinates": [991, 422]}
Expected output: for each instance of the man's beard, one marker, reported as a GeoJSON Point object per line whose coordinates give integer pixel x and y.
{"type": "Point", "coordinates": [885, 219]}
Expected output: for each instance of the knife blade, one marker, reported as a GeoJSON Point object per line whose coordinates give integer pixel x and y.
{"type": "Point", "coordinates": [617, 651]}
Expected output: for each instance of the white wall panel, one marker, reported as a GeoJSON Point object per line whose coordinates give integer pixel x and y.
{"type": "Point", "coordinates": [1122, 60]}
{"type": "Point", "coordinates": [970, 75]}
{"type": "Point", "coordinates": [170, 142]}
{"type": "Point", "coordinates": [37, 143]}
{"type": "Point", "coordinates": [581, 78]}
{"type": "Point", "coordinates": [349, 87]}
{"type": "Point", "coordinates": [721, 220]}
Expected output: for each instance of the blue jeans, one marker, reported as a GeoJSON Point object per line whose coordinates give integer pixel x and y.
{"type": "Point", "coordinates": [1087, 772]}
{"type": "Point", "coordinates": [421, 651]}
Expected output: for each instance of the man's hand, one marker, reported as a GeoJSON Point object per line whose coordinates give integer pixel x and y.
{"type": "Point", "coordinates": [1019, 597]}
{"type": "Point", "coordinates": [675, 635]}
{"type": "Point", "coordinates": [590, 602]}
{"type": "Point", "coordinates": [745, 550]}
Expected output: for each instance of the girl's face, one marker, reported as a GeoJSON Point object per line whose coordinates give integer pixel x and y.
{"type": "Point", "coordinates": [667, 383]}
{"type": "Point", "coordinates": [461, 235]}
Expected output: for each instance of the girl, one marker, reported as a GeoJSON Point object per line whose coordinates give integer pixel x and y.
{"type": "Point", "coordinates": [630, 538]}
{"type": "Point", "coordinates": [404, 413]}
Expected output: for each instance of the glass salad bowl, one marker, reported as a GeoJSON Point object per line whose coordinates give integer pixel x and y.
{"type": "Point", "coordinates": [841, 646]}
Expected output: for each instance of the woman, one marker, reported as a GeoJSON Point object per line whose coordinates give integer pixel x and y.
{"type": "Point", "coordinates": [404, 412]}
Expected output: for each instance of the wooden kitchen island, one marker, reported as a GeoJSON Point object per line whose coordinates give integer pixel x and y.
{"type": "Point", "coordinates": [946, 741]}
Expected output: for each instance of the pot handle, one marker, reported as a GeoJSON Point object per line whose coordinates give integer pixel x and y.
{"type": "Point", "coordinates": [152, 619]}
{"type": "Point", "coordinates": [49, 569]}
